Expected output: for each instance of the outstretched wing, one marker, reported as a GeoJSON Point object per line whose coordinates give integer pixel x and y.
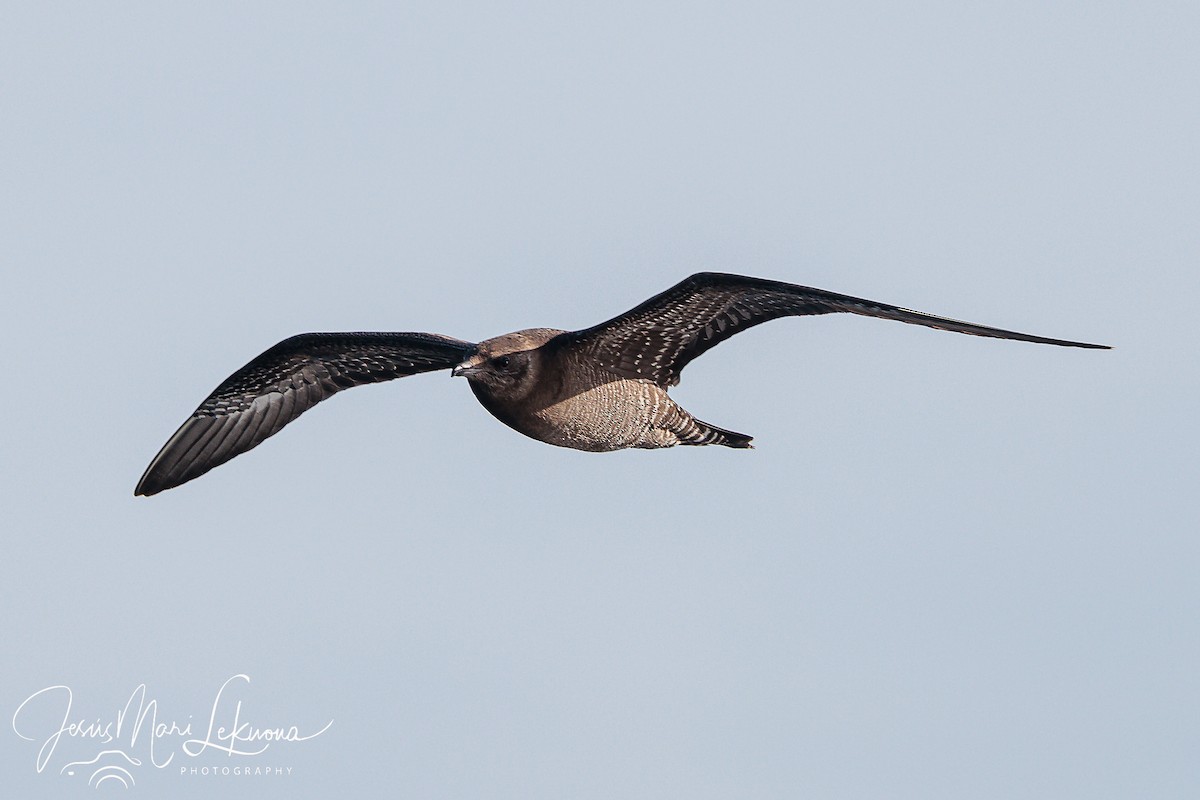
{"type": "Point", "coordinates": [281, 384]}
{"type": "Point", "coordinates": [658, 338]}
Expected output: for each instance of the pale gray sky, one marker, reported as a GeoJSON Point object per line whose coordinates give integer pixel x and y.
{"type": "Point", "coordinates": [954, 567]}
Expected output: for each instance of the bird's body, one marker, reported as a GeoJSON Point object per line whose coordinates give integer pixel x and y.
{"type": "Point", "coordinates": [598, 389]}
{"type": "Point", "coordinates": [607, 415]}
{"type": "Point", "coordinates": [578, 404]}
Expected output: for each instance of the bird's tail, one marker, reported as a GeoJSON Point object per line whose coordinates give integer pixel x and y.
{"type": "Point", "coordinates": [700, 432]}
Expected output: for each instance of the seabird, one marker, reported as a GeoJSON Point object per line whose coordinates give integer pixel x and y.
{"type": "Point", "coordinates": [602, 388]}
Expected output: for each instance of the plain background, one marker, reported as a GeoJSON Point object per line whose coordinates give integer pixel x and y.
{"type": "Point", "coordinates": [954, 567]}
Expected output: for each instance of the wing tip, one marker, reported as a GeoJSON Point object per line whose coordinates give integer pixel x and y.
{"type": "Point", "coordinates": [150, 484]}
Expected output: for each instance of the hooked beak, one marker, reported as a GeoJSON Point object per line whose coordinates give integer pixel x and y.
{"type": "Point", "coordinates": [464, 370]}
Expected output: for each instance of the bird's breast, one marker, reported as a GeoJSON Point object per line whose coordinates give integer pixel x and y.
{"type": "Point", "coordinates": [594, 415]}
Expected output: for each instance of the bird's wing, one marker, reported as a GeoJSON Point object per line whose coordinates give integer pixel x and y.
{"type": "Point", "coordinates": [280, 385]}
{"type": "Point", "coordinates": [658, 338]}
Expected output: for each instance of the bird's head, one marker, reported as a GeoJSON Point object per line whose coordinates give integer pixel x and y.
{"type": "Point", "coordinates": [507, 367]}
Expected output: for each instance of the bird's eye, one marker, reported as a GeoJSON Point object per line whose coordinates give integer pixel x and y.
{"type": "Point", "coordinates": [502, 362]}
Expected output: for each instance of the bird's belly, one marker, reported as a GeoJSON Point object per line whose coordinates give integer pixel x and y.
{"type": "Point", "coordinates": [610, 416]}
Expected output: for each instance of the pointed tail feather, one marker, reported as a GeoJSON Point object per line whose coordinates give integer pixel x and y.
{"type": "Point", "coordinates": [711, 434]}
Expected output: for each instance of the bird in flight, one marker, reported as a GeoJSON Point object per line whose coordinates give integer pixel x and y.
{"type": "Point", "coordinates": [602, 388]}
